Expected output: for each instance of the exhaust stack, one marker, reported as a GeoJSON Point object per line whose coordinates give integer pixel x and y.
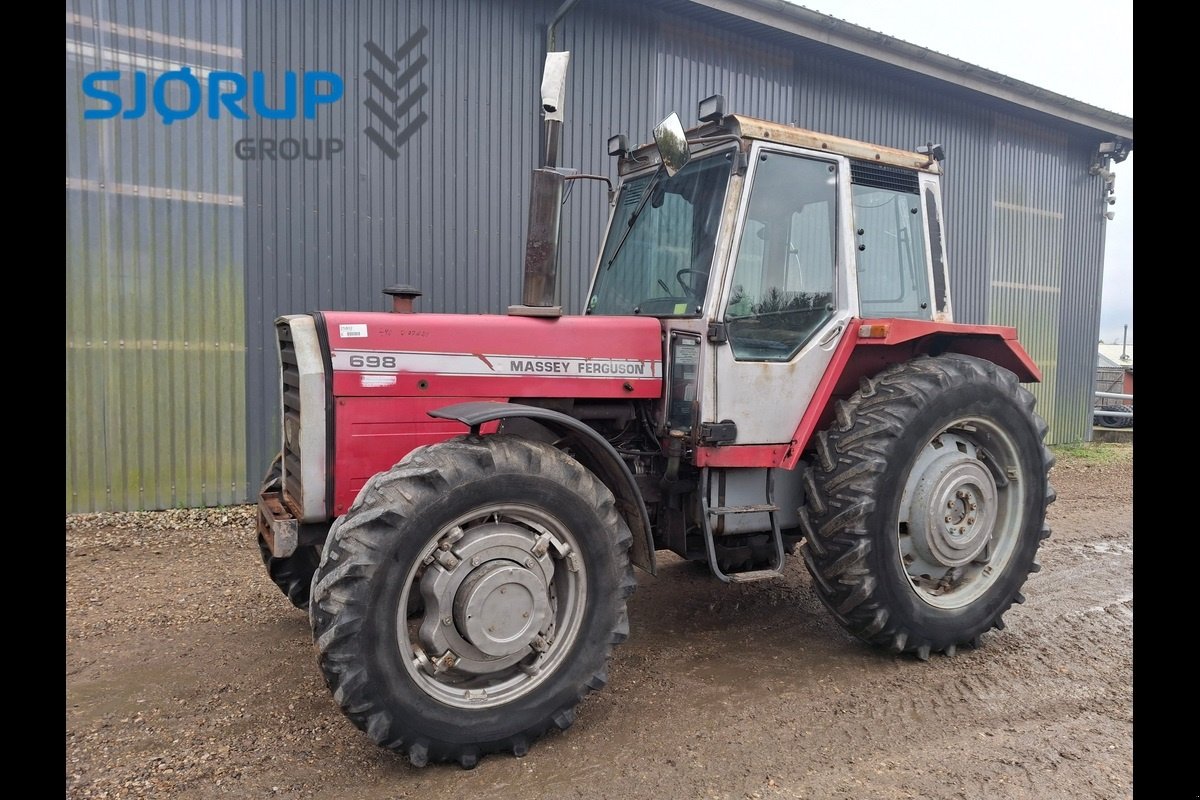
{"type": "Point", "coordinates": [545, 202]}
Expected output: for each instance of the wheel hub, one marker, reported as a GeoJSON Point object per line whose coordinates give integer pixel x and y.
{"type": "Point", "coordinates": [501, 606]}
{"type": "Point", "coordinates": [953, 512]}
{"type": "Point", "coordinates": [491, 604]}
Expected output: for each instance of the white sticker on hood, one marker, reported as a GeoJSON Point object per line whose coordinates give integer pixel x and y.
{"type": "Point", "coordinates": [354, 331]}
{"type": "Point", "coordinates": [371, 380]}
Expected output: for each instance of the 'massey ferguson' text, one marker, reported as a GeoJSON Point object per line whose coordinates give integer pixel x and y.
{"type": "Point", "coordinates": [578, 367]}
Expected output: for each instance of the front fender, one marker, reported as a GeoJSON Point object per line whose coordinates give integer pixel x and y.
{"type": "Point", "coordinates": [599, 457]}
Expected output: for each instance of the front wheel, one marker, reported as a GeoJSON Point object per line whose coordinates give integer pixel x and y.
{"type": "Point", "coordinates": [926, 503]}
{"type": "Point", "coordinates": [471, 597]}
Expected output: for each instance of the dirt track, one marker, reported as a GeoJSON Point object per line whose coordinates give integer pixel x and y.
{"type": "Point", "coordinates": [189, 675]}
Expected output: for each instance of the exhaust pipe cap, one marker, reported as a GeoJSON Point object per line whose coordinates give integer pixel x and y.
{"type": "Point", "coordinates": [403, 296]}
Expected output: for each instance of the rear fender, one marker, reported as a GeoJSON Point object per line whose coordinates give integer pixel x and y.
{"type": "Point", "coordinates": [592, 450]}
{"type": "Point", "coordinates": [871, 345]}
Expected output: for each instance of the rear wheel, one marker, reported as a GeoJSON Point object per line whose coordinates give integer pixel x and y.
{"type": "Point", "coordinates": [292, 574]}
{"type": "Point", "coordinates": [926, 503]}
{"type": "Point", "coordinates": [471, 597]}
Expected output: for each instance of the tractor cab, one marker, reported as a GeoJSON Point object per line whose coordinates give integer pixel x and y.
{"type": "Point", "coordinates": [771, 229]}
{"type": "Point", "coordinates": [756, 243]}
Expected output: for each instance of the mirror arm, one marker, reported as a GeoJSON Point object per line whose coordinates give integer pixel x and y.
{"type": "Point", "coordinates": [586, 176]}
{"type": "Point", "coordinates": [612, 193]}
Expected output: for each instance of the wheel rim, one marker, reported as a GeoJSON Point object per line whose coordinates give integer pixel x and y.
{"type": "Point", "coordinates": [492, 606]}
{"type": "Point", "coordinates": [960, 514]}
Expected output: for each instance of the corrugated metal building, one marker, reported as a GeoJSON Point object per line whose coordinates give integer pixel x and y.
{"type": "Point", "coordinates": [183, 246]}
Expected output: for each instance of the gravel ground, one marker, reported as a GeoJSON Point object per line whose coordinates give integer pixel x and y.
{"type": "Point", "coordinates": [189, 675]}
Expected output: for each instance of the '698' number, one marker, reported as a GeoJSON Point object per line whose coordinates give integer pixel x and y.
{"type": "Point", "coordinates": [373, 362]}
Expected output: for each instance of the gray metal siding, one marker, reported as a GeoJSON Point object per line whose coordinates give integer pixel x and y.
{"type": "Point", "coordinates": [171, 364]}
{"type": "Point", "coordinates": [1082, 287]}
{"type": "Point", "coordinates": [155, 367]}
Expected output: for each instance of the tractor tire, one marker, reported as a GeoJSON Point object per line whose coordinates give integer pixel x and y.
{"type": "Point", "coordinates": [926, 504]}
{"type": "Point", "coordinates": [292, 574]}
{"type": "Point", "coordinates": [415, 635]}
{"type": "Point", "coordinates": [1106, 421]}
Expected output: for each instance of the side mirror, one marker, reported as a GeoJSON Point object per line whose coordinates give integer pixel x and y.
{"type": "Point", "coordinates": [672, 144]}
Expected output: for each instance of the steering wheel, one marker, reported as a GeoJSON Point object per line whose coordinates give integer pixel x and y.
{"type": "Point", "coordinates": [690, 288]}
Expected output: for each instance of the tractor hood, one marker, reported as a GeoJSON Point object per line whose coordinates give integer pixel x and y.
{"type": "Point", "coordinates": [383, 374]}
{"type": "Point", "coordinates": [492, 356]}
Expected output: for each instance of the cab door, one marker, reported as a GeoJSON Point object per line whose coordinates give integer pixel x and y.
{"type": "Point", "coordinates": [785, 301]}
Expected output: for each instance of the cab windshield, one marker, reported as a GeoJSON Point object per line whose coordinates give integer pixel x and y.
{"type": "Point", "coordinates": [659, 252]}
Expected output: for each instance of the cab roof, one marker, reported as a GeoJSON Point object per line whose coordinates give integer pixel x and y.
{"type": "Point", "coordinates": [751, 128]}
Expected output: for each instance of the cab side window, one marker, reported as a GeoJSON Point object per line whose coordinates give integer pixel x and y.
{"type": "Point", "coordinates": [783, 281]}
{"type": "Point", "coordinates": [892, 270]}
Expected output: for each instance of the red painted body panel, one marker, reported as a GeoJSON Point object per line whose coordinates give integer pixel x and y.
{"type": "Point", "coordinates": [372, 433]}
{"type": "Point", "coordinates": [857, 357]}
{"type": "Point", "coordinates": [996, 343]}
{"type": "Point", "coordinates": [390, 370]}
{"type": "Point", "coordinates": [746, 455]}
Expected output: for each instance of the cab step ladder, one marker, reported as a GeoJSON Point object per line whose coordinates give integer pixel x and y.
{"type": "Point", "coordinates": [775, 570]}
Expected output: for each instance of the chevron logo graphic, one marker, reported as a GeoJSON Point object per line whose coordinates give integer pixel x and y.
{"type": "Point", "coordinates": [391, 83]}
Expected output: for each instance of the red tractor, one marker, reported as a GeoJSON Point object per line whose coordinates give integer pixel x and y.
{"type": "Point", "coordinates": [767, 365]}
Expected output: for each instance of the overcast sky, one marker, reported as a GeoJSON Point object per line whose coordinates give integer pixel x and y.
{"type": "Point", "coordinates": [1079, 48]}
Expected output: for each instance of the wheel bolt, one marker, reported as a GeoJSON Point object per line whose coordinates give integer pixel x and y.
{"type": "Point", "coordinates": [970, 520]}
{"type": "Point", "coordinates": [947, 518]}
{"type": "Point", "coordinates": [446, 621]}
{"type": "Point", "coordinates": [529, 563]}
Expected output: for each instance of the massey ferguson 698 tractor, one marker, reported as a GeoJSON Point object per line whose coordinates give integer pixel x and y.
{"type": "Point", "coordinates": [767, 365]}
